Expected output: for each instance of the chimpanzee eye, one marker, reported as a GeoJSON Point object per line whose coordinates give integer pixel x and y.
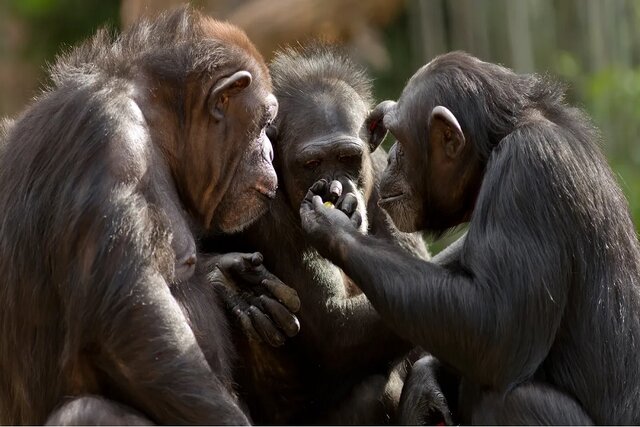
{"type": "Point", "coordinates": [312, 164]}
{"type": "Point", "coordinates": [348, 158]}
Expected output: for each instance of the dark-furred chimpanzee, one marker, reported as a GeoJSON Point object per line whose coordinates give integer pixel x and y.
{"type": "Point", "coordinates": [5, 125]}
{"type": "Point", "coordinates": [141, 142]}
{"type": "Point", "coordinates": [539, 311]}
{"type": "Point", "coordinates": [337, 369]}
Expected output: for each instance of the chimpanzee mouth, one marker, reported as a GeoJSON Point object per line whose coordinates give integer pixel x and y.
{"type": "Point", "coordinates": [266, 192]}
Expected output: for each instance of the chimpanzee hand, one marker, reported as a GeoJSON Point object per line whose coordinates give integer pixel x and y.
{"type": "Point", "coordinates": [323, 222]}
{"type": "Point", "coordinates": [262, 303]}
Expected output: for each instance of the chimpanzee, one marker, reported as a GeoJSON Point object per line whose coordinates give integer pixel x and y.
{"type": "Point", "coordinates": [5, 125]}
{"type": "Point", "coordinates": [337, 369]}
{"type": "Point", "coordinates": [539, 310]}
{"type": "Point", "coordinates": [141, 143]}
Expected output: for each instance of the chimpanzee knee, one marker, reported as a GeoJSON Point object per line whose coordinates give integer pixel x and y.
{"type": "Point", "coordinates": [528, 404]}
{"type": "Point", "coordinates": [92, 410]}
{"type": "Point", "coordinates": [426, 394]}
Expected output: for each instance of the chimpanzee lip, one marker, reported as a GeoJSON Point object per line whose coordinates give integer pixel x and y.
{"type": "Point", "coordinates": [266, 192]}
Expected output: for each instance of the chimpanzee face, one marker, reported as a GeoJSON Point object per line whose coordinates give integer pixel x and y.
{"type": "Point", "coordinates": [254, 181]}
{"type": "Point", "coordinates": [213, 123]}
{"type": "Point", "coordinates": [432, 175]}
{"type": "Point", "coordinates": [401, 190]}
{"type": "Point", "coordinates": [318, 137]}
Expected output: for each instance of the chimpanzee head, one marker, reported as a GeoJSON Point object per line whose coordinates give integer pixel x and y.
{"type": "Point", "coordinates": [324, 99]}
{"type": "Point", "coordinates": [450, 115]}
{"type": "Point", "coordinates": [205, 94]}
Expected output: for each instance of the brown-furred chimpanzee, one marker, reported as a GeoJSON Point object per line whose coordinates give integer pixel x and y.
{"type": "Point", "coordinates": [337, 369]}
{"type": "Point", "coordinates": [538, 312]}
{"type": "Point", "coordinates": [141, 143]}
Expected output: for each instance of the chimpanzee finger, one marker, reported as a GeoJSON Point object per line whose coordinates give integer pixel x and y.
{"type": "Point", "coordinates": [318, 188]}
{"type": "Point", "coordinates": [356, 219]}
{"type": "Point", "coordinates": [254, 259]}
{"type": "Point", "coordinates": [305, 207]}
{"type": "Point", "coordinates": [246, 324]}
{"type": "Point", "coordinates": [236, 303]}
{"type": "Point", "coordinates": [228, 262]}
{"type": "Point", "coordinates": [245, 269]}
{"type": "Point", "coordinates": [252, 269]}
{"type": "Point", "coordinates": [316, 203]}
{"type": "Point", "coordinates": [335, 191]}
{"type": "Point", "coordinates": [265, 327]}
{"type": "Point", "coordinates": [241, 263]}
{"type": "Point", "coordinates": [348, 204]}
{"type": "Point", "coordinates": [283, 318]}
{"type": "Point", "coordinates": [283, 293]}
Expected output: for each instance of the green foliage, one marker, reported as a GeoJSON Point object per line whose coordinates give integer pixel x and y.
{"type": "Point", "coordinates": [389, 83]}
{"type": "Point", "coordinates": [612, 97]}
{"type": "Point", "coordinates": [628, 175]}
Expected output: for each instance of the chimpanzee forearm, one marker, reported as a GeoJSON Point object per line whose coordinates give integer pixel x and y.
{"type": "Point", "coordinates": [366, 332]}
{"type": "Point", "coordinates": [347, 329]}
{"type": "Point", "coordinates": [410, 294]}
{"type": "Point", "coordinates": [341, 329]}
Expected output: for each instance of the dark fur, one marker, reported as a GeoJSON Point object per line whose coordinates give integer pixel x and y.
{"type": "Point", "coordinates": [104, 184]}
{"type": "Point", "coordinates": [336, 370]}
{"type": "Point", "coordinates": [540, 307]}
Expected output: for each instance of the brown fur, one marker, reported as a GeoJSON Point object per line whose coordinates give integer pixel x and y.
{"type": "Point", "coordinates": [105, 178]}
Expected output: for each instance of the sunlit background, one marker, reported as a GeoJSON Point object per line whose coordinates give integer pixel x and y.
{"type": "Point", "coordinates": [591, 45]}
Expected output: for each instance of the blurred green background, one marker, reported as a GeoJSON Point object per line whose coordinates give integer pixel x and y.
{"type": "Point", "coordinates": [591, 45]}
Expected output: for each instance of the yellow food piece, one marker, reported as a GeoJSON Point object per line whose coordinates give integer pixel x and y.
{"type": "Point", "coordinates": [329, 204]}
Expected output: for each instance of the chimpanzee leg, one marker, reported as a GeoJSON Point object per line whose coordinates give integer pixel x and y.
{"type": "Point", "coordinates": [533, 403]}
{"type": "Point", "coordinates": [93, 410]}
{"type": "Point", "coordinates": [429, 394]}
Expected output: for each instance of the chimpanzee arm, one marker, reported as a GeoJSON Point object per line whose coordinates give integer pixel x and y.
{"type": "Point", "coordinates": [346, 328]}
{"type": "Point", "coordinates": [119, 306]}
{"type": "Point", "coordinates": [361, 330]}
{"type": "Point", "coordinates": [5, 125]}
{"type": "Point", "coordinates": [495, 318]}
{"type": "Point", "coordinates": [342, 327]}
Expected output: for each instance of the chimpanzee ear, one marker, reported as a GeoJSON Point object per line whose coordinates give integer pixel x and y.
{"type": "Point", "coordinates": [373, 129]}
{"type": "Point", "coordinates": [445, 129]}
{"type": "Point", "coordinates": [223, 89]}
